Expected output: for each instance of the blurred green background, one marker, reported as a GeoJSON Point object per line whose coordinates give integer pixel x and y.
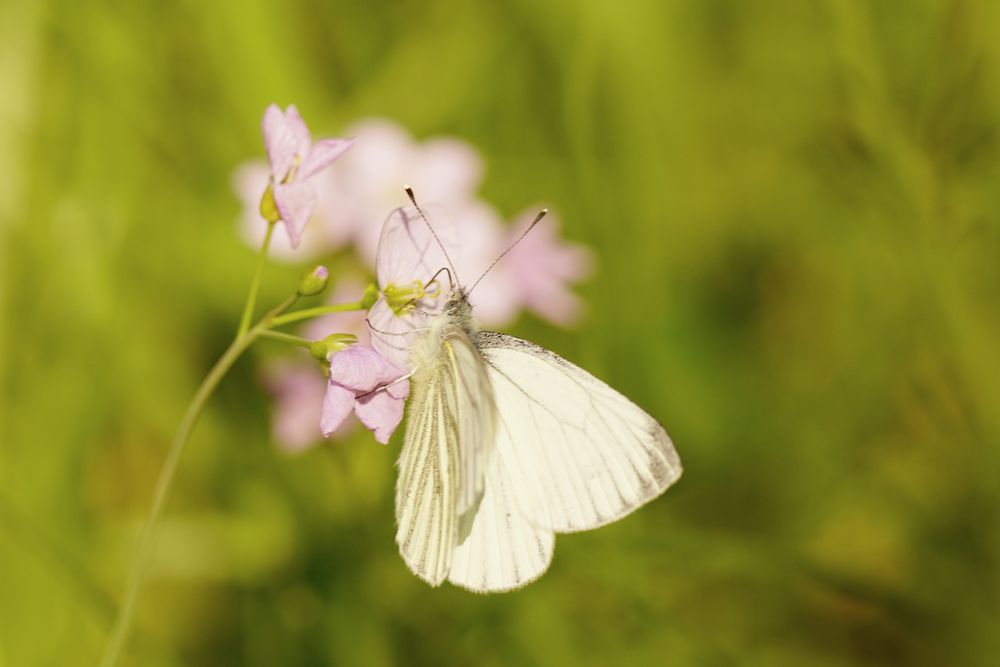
{"type": "Point", "coordinates": [795, 207]}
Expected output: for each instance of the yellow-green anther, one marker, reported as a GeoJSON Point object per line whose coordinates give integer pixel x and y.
{"type": "Point", "coordinates": [402, 298]}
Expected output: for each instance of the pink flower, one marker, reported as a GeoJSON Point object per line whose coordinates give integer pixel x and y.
{"type": "Point", "coordinates": [294, 160]}
{"type": "Point", "coordinates": [364, 381]}
{"type": "Point", "coordinates": [541, 267]}
{"type": "Point", "coordinates": [249, 180]}
{"type": "Point", "coordinates": [536, 274]}
{"type": "Point", "coordinates": [298, 397]}
{"type": "Point", "coordinates": [408, 259]}
{"type": "Point", "coordinates": [298, 387]}
{"type": "Point", "coordinates": [369, 181]}
{"type": "Point", "coordinates": [355, 193]}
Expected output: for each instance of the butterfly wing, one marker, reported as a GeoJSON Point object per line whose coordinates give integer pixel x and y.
{"type": "Point", "coordinates": [577, 454]}
{"type": "Point", "coordinates": [504, 550]}
{"type": "Point", "coordinates": [446, 451]}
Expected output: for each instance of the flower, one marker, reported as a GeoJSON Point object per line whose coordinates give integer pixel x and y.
{"type": "Point", "coordinates": [540, 268]}
{"type": "Point", "coordinates": [298, 387]}
{"type": "Point", "coordinates": [535, 274]}
{"type": "Point", "coordinates": [294, 160]}
{"type": "Point", "coordinates": [364, 381]}
{"type": "Point", "coordinates": [409, 258]}
{"type": "Point", "coordinates": [354, 194]}
{"type": "Point", "coordinates": [298, 390]}
{"type": "Point", "coordinates": [369, 181]}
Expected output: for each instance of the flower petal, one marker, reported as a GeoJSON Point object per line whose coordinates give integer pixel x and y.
{"type": "Point", "coordinates": [295, 202]}
{"type": "Point", "coordinates": [321, 155]}
{"type": "Point", "coordinates": [393, 334]}
{"type": "Point", "coordinates": [544, 266]}
{"type": "Point", "coordinates": [285, 137]}
{"type": "Point", "coordinates": [381, 413]}
{"type": "Point", "coordinates": [337, 404]}
{"type": "Point", "coordinates": [398, 389]}
{"type": "Point", "coordinates": [361, 369]}
{"type": "Point", "coordinates": [298, 397]}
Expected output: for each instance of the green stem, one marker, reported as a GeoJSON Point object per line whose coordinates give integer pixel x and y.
{"type": "Point", "coordinates": [286, 338]}
{"type": "Point", "coordinates": [255, 283]}
{"type": "Point", "coordinates": [307, 313]}
{"type": "Point", "coordinates": [147, 538]}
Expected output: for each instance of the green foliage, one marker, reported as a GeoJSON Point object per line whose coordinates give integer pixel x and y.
{"type": "Point", "coordinates": [795, 210]}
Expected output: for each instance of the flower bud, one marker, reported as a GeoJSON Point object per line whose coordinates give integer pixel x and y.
{"type": "Point", "coordinates": [314, 281]}
{"type": "Point", "coordinates": [268, 207]}
{"type": "Point", "coordinates": [322, 349]}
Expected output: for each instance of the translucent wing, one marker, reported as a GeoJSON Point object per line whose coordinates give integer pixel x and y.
{"type": "Point", "coordinates": [504, 550]}
{"type": "Point", "coordinates": [449, 440]}
{"type": "Point", "coordinates": [577, 453]}
{"type": "Point", "coordinates": [407, 250]}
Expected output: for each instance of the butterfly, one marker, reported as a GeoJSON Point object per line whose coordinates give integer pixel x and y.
{"type": "Point", "coordinates": [506, 443]}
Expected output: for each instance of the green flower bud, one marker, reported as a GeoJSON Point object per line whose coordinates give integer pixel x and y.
{"type": "Point", "coordinates": [268, 207]}
{"type": "Point", "coordinates": [314, 281]}
{"type": "Point", "coordinates": [322, 349]}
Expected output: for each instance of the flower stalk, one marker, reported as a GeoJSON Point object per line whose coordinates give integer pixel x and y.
{"type": "Point", "coordinates": [147, 538]}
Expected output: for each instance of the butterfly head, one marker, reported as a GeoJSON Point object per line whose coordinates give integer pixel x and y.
{"type": "Point", "coordinates": [457, 305]}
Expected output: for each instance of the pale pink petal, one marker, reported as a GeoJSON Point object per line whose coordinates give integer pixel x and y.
{"type": "Point", "coordinates": [484, 238]}
{"type": "Point", "coordinates": [381, 413]}
{"type": "Point", "coordinates": [321, 155]}
{"type": "Point", "coordinates": [283, 139]}
{"type": "Point", "coordinates": [298, 393]}
{"type": "Point", "coordinates": [295, 203]}
{"type": "Point", "coordinates": [249, 182]}
{"type": "Point", "coordinates": [393, 334]}
{"type": "Point", "coordinates": [544, 267]}
{"type": "Point", "coordinates": [361, 369]}
{"type": "Point", "coordinates": [398, 389]}
{"type": "Point", "coordinates": [337, 404]}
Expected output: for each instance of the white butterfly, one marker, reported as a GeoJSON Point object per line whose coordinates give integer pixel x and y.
{"type": "Point", "coordinates": [506, 443]}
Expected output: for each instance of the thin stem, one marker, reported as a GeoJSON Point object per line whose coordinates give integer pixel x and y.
{"type": "Point", "coordinates": [147, 538]}
{"type": "Point", "coordinates": [307, 313]}
{"type": "Point", "coordinates": [286, 338]}
{"type": "Point", "coordinates": [255, 282]}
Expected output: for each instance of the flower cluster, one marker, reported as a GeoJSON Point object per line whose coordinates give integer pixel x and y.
{"type": "Point", "coordinates": [344, 195]}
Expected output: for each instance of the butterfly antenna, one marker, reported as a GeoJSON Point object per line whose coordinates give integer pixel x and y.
{"type": "Point", "coordinates": [413, 199]}
{"type": "Point", "coordinates": [541, 214]}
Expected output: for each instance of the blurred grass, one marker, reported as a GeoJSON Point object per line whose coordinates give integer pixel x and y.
{"type": "Point", "coordinates": [796, 214]}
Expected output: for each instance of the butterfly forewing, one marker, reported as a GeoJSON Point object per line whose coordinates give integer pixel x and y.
{"type": "Point", "coordinates": [446, 451]}
{"type": "Point", "coordinates": [578, 453]}
{"type": "Point", "coordinates": [425, 491]}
